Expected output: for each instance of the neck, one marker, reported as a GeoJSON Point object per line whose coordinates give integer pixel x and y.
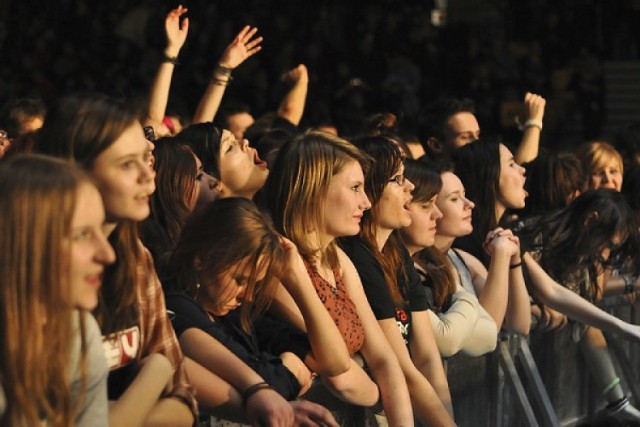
{"type": "Point", "coordinates": [413, 249]}
{"type": "Point", "coordinates": [443, 243]}
{"type": "Point", "coordinates": [500, 209]}
{"type": "Point", "coordinates": [382, 235]}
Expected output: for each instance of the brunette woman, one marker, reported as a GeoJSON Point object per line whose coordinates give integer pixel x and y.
{"type": "Point", "coordinates": [147, 381]}
{"type": "Point", "coordinates": [392, 285]}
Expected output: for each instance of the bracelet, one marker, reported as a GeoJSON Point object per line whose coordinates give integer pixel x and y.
{"type": "Point", "coordinates": [532, 123]}
{"type": "Point", "coordinates": [514, 266]}
{"type": "Point", "coordinates": [225, 71]}
{"type": "Point", "coordinates": [628, 285]}
{"type": "Point", "coordinates": [170, 59]}
{"type": "Point", "coordinates": [251, 390]}
{"type": "Point", "coordinates": [611, 385]}
{"type": "Point", "coordinates": [220, 82]}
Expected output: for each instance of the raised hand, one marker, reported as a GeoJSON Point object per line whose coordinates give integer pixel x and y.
{"type": "Point", "coordinates": [295, 75]}
{"type": "Point", "coordinates": [502, 240]}
{"type": "Point", "coordinates": [176, 32]}
{"type": "Point", "coordinates": [242, 47]}
{"type": "Point", "coordinates": [534, 105]}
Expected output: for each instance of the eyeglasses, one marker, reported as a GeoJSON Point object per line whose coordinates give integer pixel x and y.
{"type": "Point", "coordinates": [149, 133]}
{"type": "Point", "coordinates": [398, 179]}
{"type": "Point", "coordinates": [4, 134]}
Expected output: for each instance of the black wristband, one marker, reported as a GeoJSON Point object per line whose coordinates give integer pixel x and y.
{"type": "Point", "coordinates": [514, 266]}
{"type": "Point", "coordinates": [629, 287]}
{"type": "Point", "coordinates": [251, 390]}
{"type": "Point", "coordinates": [170, 59]}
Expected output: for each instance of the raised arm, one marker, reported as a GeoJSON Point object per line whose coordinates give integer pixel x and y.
{"type": "Point", "coordinates": [556, 296]}
{"type": "Point", "coordinates": [292, 105]}
{"type": "Point", "coordinates": [243, 46]}
{"type": "Point", "coordinates": [530, 143]}
{"type": "Point", "coordinates": [176, 33]}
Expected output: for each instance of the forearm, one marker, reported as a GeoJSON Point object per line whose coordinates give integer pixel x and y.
{"type": "Point", "coordinates": [353, 386]}
{"type": "Point", "coordinates": [215, 395]}
{"type": "Point", "coordinates": [427, 406]}
{"type": "Point", "coordinates": [210, 101]}
{"type": "Point", "coordinates": [159, 95]}
{"type": "Point", "coordinates": [293, 104]}
{"type": "Point", "coordinates": [329, 349]}
{"type": "Point", "coordinates": [452, 328]}
{"type": "Point", "coordinates": [142, 395]}
{"type": "Point", "coordinates": [393, 390]}
{"type": "Point", "coordinates": [529, 146]}
{"type": "Point", "coordinates": [559, 298]}
{"type": "Point", "coordinates": [518, 315]}
{"type": "Point", "coordinates": [169, 412]}
{"type": "Point", "coordinates": [495, 293]}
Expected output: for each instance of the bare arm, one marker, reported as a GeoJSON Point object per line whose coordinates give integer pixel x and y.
{"type": "Point", "coordinates": [158, 98]}
{"type": "Point", "coordinates": [216, 358]}
{"type": "Point", "coordinates": [426, 357]}
{"type": "Point", "coordinates": [571, 304]}
{"type": "Point", "coordinates": [142, 395]}
{"type": "Point", "coordinates": [518, 316]}
{"type": "Point", "coordinates": [377, 352]}
{"type": "Point", "coordinates": [292, 105]}
{"type": "Point", "coordinates": [242, 47]}
{"type": "Point", "coordinates": [530, 143]}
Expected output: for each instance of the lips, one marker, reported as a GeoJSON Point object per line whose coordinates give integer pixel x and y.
{"type": "Point", "coordinates": [94, 280]}
{"type": "Point", "coordinates": [258, 161]}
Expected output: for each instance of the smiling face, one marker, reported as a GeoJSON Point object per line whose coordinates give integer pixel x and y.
{"type": "Point", "coordinates": [124, 176]}
{"type": "Point", "coordinates": [511, 182]}
{"type": "Point", "coordinates": [344, 203]}
{"type": "Point", "coordinates": [227, 291]}
{"type": "Point", "coordinates": [455, 207]}
{"type": "Point", "coordinates": [90, 251]}
{"type": "Point", "coordinates": [242, 172]}
{"type": "Point", "coordinates": [609, 176]}
{"type": "Point", "coordinates": [393, 211]}
{"type": "Point", "coordinates": [422, 231]}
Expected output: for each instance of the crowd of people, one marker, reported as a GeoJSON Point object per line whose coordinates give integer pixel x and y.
{"type": "Point", "coordinates": [226, 268]}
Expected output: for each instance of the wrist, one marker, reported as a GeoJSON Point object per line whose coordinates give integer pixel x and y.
{"type": "Point", "coordinates": [251, 390]}
{"type": "Point", "coordinates": [171, 51]}
{"type": "Point", "coordinates": [532, 123]}
{"type": "Point", "coordinates": [170, 59]}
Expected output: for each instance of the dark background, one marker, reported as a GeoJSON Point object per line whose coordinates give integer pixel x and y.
{"type": "Point", "coordinates": [490, 51]}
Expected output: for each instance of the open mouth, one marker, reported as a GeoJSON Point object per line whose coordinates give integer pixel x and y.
{"type": "Point", "coordinates": [258, 161]}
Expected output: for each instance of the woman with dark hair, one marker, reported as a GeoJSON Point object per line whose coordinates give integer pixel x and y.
{"type": "Point", "coordinates": [392, 285]}
{"type": "Point", "coordinates": [226, 265]}
{"type": "Point", "coordinates": [182, 185]}
{"type": "Point", "coordinates": [465, 322]}
{"type": "Point", "coordinates": [237, 167]}
{"type": "Point", "coordinates": [52, 366]}
{"type": "Point", "coordinates": [104, 137]}
{"type": "Point", "coordinates": [494, 162]}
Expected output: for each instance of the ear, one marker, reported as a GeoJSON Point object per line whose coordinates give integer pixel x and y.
{"type": "Point", "coordinates": [434, 146]}
{"type": "Point", "coordinates": [591, 219]}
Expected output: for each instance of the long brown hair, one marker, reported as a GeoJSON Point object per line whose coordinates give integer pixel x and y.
{"type": "Point", "coordinates": [221, 234]}
{"type": "Point", "coordinates": [388, 159]}
{"type": "Point", "coordinates": [427, 181]}
{"type": "Point", "coordinates": [37, 204]}
{"type": "Point", "coordinates": [299, 184]}
{"type": "Point", "coordinates": [80, 128]}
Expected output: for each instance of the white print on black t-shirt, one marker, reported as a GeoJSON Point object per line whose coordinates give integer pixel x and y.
{"type": "Point", "coordinates": [122, 347]}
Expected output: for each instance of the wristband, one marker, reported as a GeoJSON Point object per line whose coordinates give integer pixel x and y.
{"type": "Point", "coordinates": [226, 71]}
{"type": "Point", "coordinates": [170, 59]}
{"type": "Point", "coordinates": [532, 123]}
{"type": "Point", "coordinates": [251, 390]}
{"type": "Point", "coordinates": [514, 266]}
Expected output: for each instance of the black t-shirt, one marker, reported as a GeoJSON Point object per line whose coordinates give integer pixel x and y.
{"type": "Point", "coordinates": [186, 314]}
{"type": "Point", "coordinates": [376, 290]}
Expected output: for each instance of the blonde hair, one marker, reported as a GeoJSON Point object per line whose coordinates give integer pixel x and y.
{"type": "Point", "coordinates": [596, 155]}
{"type": "Point", "coordinates": [37, 203]}
{"type": "Point", "coordinates": [300, 181]}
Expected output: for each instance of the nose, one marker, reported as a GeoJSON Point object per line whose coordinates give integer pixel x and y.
{"type": "Point", "coordinates": [104, 251]}
{"type": "Point", "coordinates": [436, 213]}
{"type": "Point", "coordinates": [408, 185]}
{"type": "Point", "coordinates": [147, 173]}
{"type": "Point", "coordinates": [243, 296]}
{"type": "Point", "coordinates": [469, 204]}
{"type": "Point", "coordinates": [365, 204]}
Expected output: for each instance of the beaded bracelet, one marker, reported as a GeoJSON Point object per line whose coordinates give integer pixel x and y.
{"type": "Point", "coordinates": [628, 285]}
{"type": "Point", "coordinates": [251, 390]}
